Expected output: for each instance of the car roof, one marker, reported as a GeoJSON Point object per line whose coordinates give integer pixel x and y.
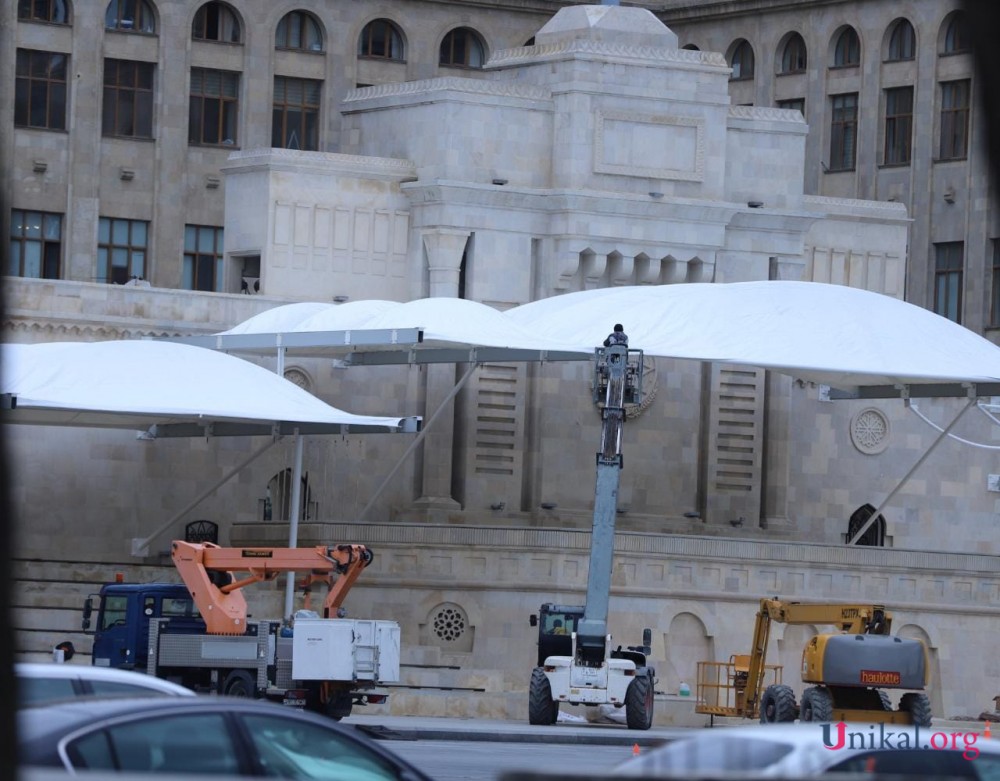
{"type": "Point", "coordinates": [108, 674]}
{"type": "Point", "coordinates": [69, 714]}
{"type": "Point", "coordinates": [806, 753]}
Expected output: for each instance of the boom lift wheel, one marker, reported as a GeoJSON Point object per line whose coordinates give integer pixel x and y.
{"type": "Point", "coordinates": [239, 683]}
{"type": "Point", "coordinates": [639, 703]}
{"type": "Point", "coordinates": [542, 709]}
{"type": "Point", "coordinates": [918, 706]}
{"type": "Point", "coordinates": [777, 704]}
{"type": "Point", "coordinates": [816, 705]}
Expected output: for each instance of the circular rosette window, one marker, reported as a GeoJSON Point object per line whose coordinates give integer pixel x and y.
{"type": "Point", "coordinates": [870, 431]}
{"type": "Point", "coordinates": [449, 623]}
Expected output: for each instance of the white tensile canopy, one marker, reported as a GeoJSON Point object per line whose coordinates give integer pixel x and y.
{"type": "Point", "coordinates": [860, 342]}
{"type": "Point", "coordinates": [168, 389]}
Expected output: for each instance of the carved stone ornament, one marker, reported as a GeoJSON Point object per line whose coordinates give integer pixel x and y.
{"type": "Point", "coordinates": [870, 431]}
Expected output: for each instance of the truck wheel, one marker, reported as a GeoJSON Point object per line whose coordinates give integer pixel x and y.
{"type": "Point", "coordinates": [817, 705]}
{"type": "Point", "coordinates": [239, 683]}
{"type": "Point", "coordinates": [777, 704]}
{"type": "Point", "coordinates": [918, 706]}
{"type": "Point", "coordinates": [639, 703]}
{"type": "Point", "coordinates": [339, 705]}
{"type": "Point", "coordinates": [883, 697]}
{"type": "Point", "coordinates": [542, 709]}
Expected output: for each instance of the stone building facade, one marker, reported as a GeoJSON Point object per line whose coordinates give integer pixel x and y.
{"type": "Point", "coordinates": [888, 91]}
{"type": "Point", "coordinates": [477, 166]}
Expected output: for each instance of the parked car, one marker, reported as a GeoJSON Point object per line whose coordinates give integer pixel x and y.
{"type": "Point", "coordinates": [804, 750]}
{"type": "Point", "coordinates": [202, 736]}
{"type": "Point", "coordinates": [40, 682]}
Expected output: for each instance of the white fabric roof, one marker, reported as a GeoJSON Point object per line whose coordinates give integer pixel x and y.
{"type": "Point", "coordinates": [178, 388]}
{"type": "Point", "coordinates": [830, 334]}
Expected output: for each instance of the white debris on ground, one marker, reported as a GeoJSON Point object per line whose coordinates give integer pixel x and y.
{"type": "Point", "coordinates": [600, 714]}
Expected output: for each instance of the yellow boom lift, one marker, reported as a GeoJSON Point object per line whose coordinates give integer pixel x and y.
{"type": "Point", "coordinates": [849, 670]}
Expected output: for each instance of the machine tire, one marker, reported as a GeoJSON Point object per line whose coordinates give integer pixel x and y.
{"type": "Point", "coordinates": [918, 706]}
{"type": "Point", "coordinates": [884, 698]}
{"type": "Point", "coordinates": [542, 709]}
{"type": "Point", "coordinates": [816, 705]}
{"type": "Point", "coordinates": [239, 683]}
{"type": "Point", "coordinates": [777, 704]}
{"type": "Point", "coordinates": [338, 706]}
{"type": "Point", "coordinates": [639, 703]}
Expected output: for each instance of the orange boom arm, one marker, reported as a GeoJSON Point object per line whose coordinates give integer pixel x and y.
{"type": "Point", "coordinates": [210, 574]}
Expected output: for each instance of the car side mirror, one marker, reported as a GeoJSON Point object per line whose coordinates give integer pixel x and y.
{"type": "Point", "coordinates": [88, 611]}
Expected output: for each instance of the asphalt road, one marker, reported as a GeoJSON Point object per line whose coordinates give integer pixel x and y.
{"type": "Point", "coordinates": [486, 750]}
{"type": "Point", "coordinates": [462, 760]}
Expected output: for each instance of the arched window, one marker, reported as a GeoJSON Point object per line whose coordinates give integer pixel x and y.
{"type": "Point", "coordinates": [298, 30]}
{"type": "Point", "coordinates": [52, 11]}
{"type": "Point", "coordinates": [216, 21]}
{"type": "Point", "coordinates": [464, 48]}
{"type": "Point", "coordinates": [847, 51]}
{"type": "Point", "coordinates": [874, 534]}
{"type": "Point", "coordinates": [381, 38]}
{"type": "Point", "coordinates": [957, 37]}
{"type": "Point", "coordinates": [131, 16]}
{"type": "Point", "coordinates": [902, 42]}
{"type": "Point", "coordinates": [742, 61]}
{"type": "Point", "coordinates": [793, 56]}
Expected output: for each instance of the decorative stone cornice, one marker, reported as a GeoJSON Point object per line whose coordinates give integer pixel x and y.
{"type": "Point", "coordinates": [855, 206]}
{"type": "Point", "coordinates": [588, 49]}
{"type": "Point", "coordinates": [856, 558]}
{"type": "Point", "coordinates": [326, 162]}
{"type": "Point", "coordinates": [503, 89]}
{"type": "Point", "coordinates": [766, 113]}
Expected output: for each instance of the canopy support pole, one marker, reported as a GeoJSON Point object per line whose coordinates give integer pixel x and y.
{"type": "Point", "coordinates": [418, 439]}
{"type": "Point", "coordinates": [944, 433]}
{"type": "Point", "coordinates": [140, 547]}
{"type": "Point", "coordinates": [293, 522]}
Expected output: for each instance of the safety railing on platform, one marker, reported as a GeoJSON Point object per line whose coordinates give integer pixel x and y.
{"type": "Point", "coordinates": [721, 686]}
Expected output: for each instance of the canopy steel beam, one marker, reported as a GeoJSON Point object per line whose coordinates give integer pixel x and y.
{"type": "Point", "coordinates": [462, 355]}
{"type": "Point", "coordinates": [267, 342]}
{"type": "Point", "coordinates": [409, 425]}
{"type": "Point", "coordinates": [923, 391]}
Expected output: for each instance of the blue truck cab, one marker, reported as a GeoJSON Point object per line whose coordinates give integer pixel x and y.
{"type": "Point", "coordinates": [124, 610]}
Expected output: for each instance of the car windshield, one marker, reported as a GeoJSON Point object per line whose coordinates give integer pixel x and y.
{"type": "Point", "coordinates": [720, 754]}
{"type": "Point", "coordinates": [299, 750]}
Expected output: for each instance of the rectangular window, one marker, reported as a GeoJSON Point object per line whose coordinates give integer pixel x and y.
{"type": "Point", "coordinates": [898, 125]}
{"type": "Point", "coordinates": [121, 250]}
{"type": "Point", "coordinates": [40, 90]}
{"type": "Point", "coordinates": [995, 286]}
{"type": "Point", "coordinates": [843, 132]}
{"type": "Point", "coordinates": [954, 120]}
{"type": "Point", "coordinates": [214, 107]}
{"type": "Point", "coordinates": [794, 104]}
{"type": "Point", "coordinates": [295, 114]}
{"type": "Point", "coordinates": [35, 244]}
{"type": "Point", "coordinates": [948, 272]}
{"type": "Point", "coordinates": [203, 256]}
{"type": "Point", "coordinates": [128, 99]}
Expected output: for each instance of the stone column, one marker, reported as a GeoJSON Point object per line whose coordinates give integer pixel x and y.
{"type": "Point", "coordinates": [443, 250]}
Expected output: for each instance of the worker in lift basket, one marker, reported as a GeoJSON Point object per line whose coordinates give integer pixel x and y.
{"type": "Point", "coordinates": [617, 336]}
